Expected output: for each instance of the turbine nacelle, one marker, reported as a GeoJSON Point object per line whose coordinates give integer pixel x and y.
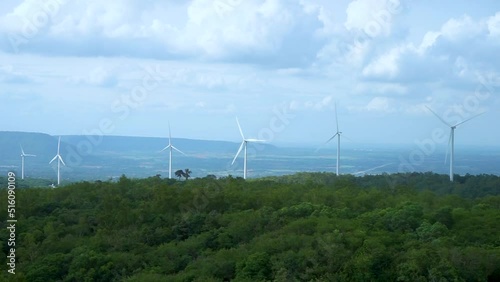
{"type": "Point", "coordinates": [58, 156]}
{"type": "Point", "coordinates": [23, 154]}
{"type": "Point", "coordinates": [173, 148]}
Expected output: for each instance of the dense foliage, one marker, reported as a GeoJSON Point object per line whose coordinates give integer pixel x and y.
{"type": "Point", "coordinates": [304, 227]}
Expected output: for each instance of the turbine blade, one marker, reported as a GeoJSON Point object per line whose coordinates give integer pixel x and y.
{"type": "Point", "coordinates": [448, 147]}
{"type": "Point", "coordinates": [469, 119]}
{"type": "Point", "coordinates": [164, 148]}
{"type": "Point", "coordinates": [60, 158]}
{"type": "Point", "coordinates": [321, 146]}
{"type": "Point", "coordinates": [332, 138]}
{"type": "Point", "coordinates": [179, 151]}
{"type": "Point", "coordinates": [58, 144]}
{"type": "Point", "coordinates": [169, 134]}
{"type": "Point", "coordinates": [440, 118]}
{"type": "Point", "coordinates": [29, 155]}
{"type": "Point", "coordinates": [239, 151]}
{"type": "Point", "coordinates": [239, 127]}
{"type": "Point", "coordinates": [336, 117]}
{"type": "Point", "coordinates": [345, 137]}
{"type": "Point", "coordinates": [55, 158]}
{"type": "Point", "coordinates": [22, 151]}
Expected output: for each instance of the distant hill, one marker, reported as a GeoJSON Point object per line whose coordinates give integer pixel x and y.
{"type": "Point", "coordinates": [149, 144]}
{"type": "Point", "coordinates": [40, 144]}
{"type": "Point", "coordinates": [44, 144]}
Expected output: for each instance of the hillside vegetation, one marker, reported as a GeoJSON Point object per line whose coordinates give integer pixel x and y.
{"type": "Point", "coordinates": [303, 227]}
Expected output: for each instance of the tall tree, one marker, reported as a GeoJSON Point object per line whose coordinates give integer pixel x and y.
{"type": "Point", "coordinates": [179, 174]}
{"type": "Point", "coordinates": [187, 173]}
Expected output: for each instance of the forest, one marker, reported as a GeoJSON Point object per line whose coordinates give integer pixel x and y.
{"type": "Point", "coordinates": [301, 227]}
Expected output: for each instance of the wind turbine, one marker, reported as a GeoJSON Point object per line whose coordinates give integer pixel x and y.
{"type": "Point", "coordinates": [59, 161]}
{"type": "Point", "coordinates": [22, 160]}
{"type": "Point", "coordinates": [337, 134]}
{"type": "Point", "coordinates": [370, 169]}
{"type": "Point", "coordinates": [451, 141]}
{"type": "Point", "coordinates": [244, 145]}
{"type": "Point", "coordinates": [170, 147]}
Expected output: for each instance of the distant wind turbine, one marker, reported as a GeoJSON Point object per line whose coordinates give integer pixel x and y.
{"type": "Point", "coordinates": [244, 145]}
{"type": "Point", "coordinates": [22, 160]}
{"type": "Point", "coordinates": [451, 141]}
{"type": "Point", "coordinates": [337, 134]}
{"type": "Point", "coordinates": [59, 161]}
{"type": "Point", "coordinates": [170, 147]}
{"type": "Point", "coordinates": [371, 169]}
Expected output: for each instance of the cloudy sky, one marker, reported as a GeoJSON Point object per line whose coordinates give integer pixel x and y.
{"type": "Point", "coordinates": [128, 67]}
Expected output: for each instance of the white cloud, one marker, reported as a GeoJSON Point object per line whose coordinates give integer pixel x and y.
{"type": "Point", "coordinates": [360, 13]}
{"type": "Point", "coordinates": [98, 76]}
{"type": "Point", "coordinates": [357, 53]}
{"type": "Point", "coordinates": [381, 88]}
{"type": "Point", "coordinates": [374, 17]}
{"type": "Point", "coordinates": [461, 68]}
{"type": "Point", "coordinates": [428, 41]}
{"type": "Point", "coordinates": [461, 29]}
{"type": "Point", "coordinates": [387, 105]}
{"type": "Point", "coordinates": [245, 28]}
{"type": "Point", "coordinates": [9, 75]}
{"type": "Point", "coordinates": [386, 65]}
{"type": "Point", "coordinates": [417, 109]}
{"type": "Point", "coordinates": [249, 26]}
{"type": "Point", "coordinates": [324, 103]}
{"type": "Point", "coordinates": [379, 104]}
{"type": "Point", "coordinates": [314, 105]}
{"type": "Point", "coordinates": [245, 56]}
{"type": "Point", "coordinates": [494, 25]}
{"type": "Point", "coordinates": [452, 54]}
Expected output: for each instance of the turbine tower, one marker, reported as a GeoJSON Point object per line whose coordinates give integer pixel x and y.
{"type": "Point", "coordinates": [170, 147]}
{"type": "Point", "coordinates": [244, 145]}
{"type": "Point", "coordinates": [59, 161]}
{"type": "Point", "coordinates": [22, 161]}
{"type": "Point", "coordinates": [337, 134]}
{"type": "Point", "coordinates": [451, 141]}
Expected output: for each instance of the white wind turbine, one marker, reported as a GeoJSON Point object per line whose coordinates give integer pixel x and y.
{"type": "Point", "coordinates": [451, 141]}
{"type": "Point", "coordinates": [244, 145]}
{"type": "Point", "coordinates": [22, 160]}
{"type": "Point", "coordinates": [59, 161]}
{"type": "Point", "coordinates": [170, 147]}
{"type": "Point", "coordinates": [337, 134]}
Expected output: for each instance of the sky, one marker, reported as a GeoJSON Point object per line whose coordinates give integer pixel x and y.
{"type": "Point", "coordinates": [130, 68]}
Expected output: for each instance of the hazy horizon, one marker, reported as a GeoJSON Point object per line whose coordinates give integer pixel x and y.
{"type": "Point", "coordinates": [92, 158]}
{"type": "Point", "coordinates": [332, 145]}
